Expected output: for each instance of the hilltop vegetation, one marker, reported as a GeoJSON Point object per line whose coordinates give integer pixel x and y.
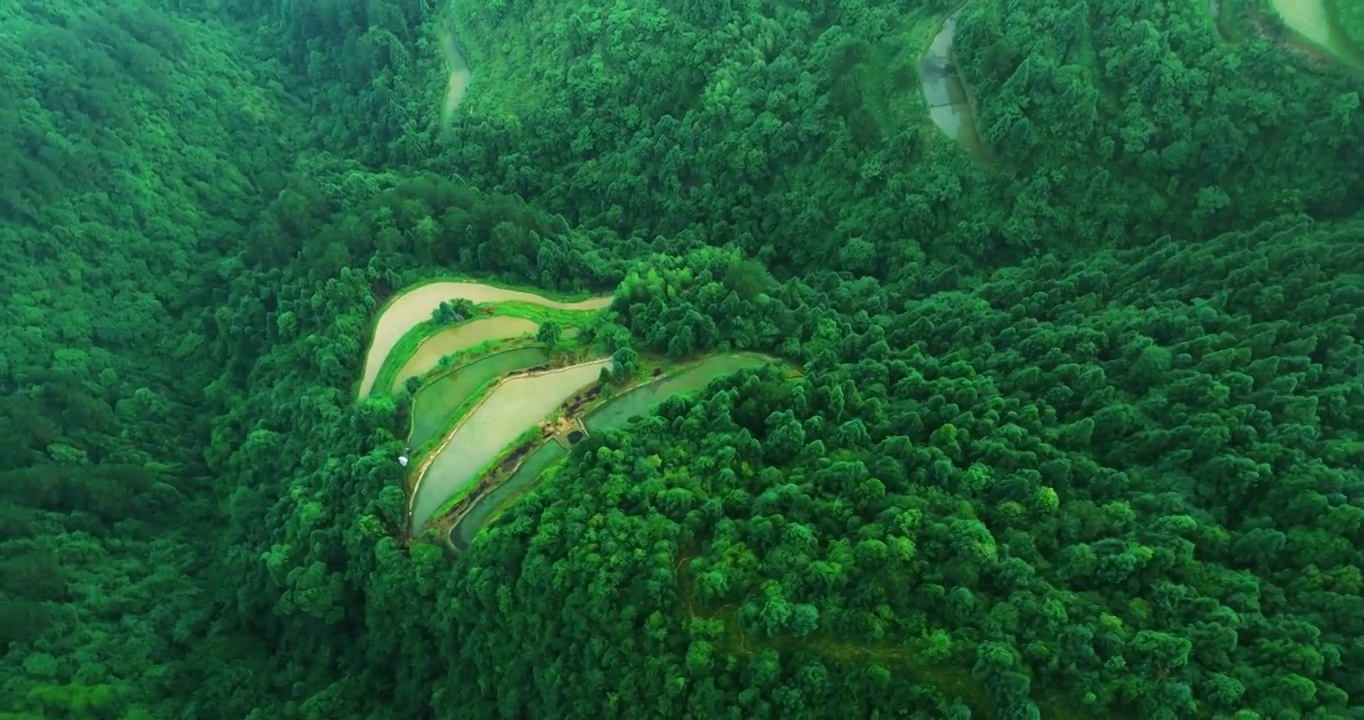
{"type": "Point", "coordinates": [1077, 433]}
{"type": "Point", "coordinates": [1181, 125]}
{"type": "Point", "coordinates": [1077, 488]}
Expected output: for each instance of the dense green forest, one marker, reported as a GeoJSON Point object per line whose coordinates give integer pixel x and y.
{"type": "Point", "coordinates": [1078, 433]}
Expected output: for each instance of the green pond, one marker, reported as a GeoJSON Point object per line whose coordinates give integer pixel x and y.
{"type": "Point", "coordinates": [613, 413]}
{"type": "Point", "coordinates": [433, 403]}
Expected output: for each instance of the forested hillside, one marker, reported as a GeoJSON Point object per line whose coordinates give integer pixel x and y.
{"type": "Point", "coordinates": [135, 148]}
{"type": "Point", "coordinates": [1113, 489]}
{"type": "Point", "coordinates": [1076, 432]}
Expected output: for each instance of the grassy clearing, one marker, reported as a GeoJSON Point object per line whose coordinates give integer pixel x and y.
{"type": "Point", "coordinates": [544, 313]}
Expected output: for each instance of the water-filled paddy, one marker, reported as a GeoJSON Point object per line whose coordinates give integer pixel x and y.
{"type": "Point", "coordinates": [460, 337]}
{"type": "Point", "coordinates": [413, 307]}
{"type": "Point", "coordinates": [526, 474]}
{"type": "Point", "coordinates": [639, 400]}
{"type": "Point", "coordinates": [509, 410]}
{"type": "Point", "coordinates": [431, 406]}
